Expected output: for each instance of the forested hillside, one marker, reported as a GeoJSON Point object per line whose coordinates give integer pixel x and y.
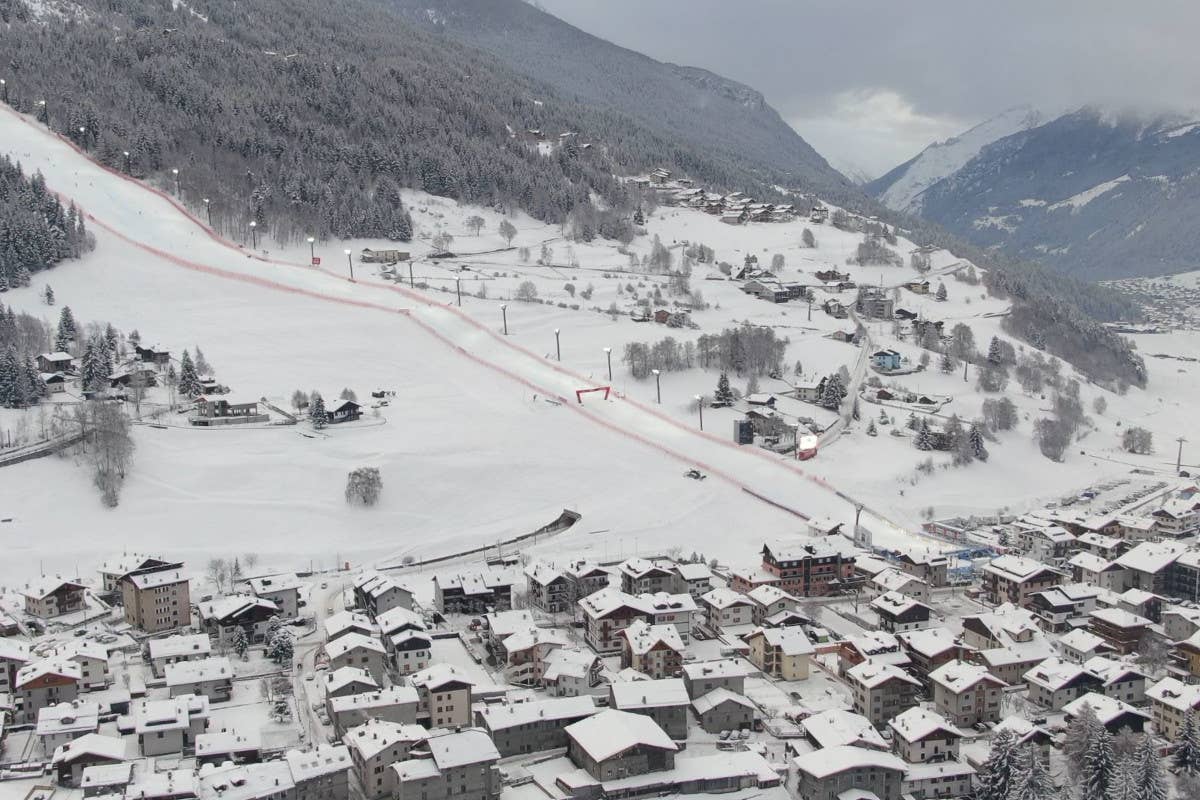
{"type": "Point", "coordinates": [310, 126]}
{"type": "Point", "coordinates": [693, 107]}
{"type": "Point", "coordinates": [36, 232]}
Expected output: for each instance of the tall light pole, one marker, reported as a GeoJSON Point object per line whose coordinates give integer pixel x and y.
{"type": "Point", "coordinates": [254, 233]}
{"type": "Point", "coordinates": [658, 384]}
{"type": "Point", "coordinates": [175, 172]}
{"type": "Point", "coordinates": [1179, 457]}
{"type": "Point", "coordinates": [44, 112]}
{"type": "Point", "coordinates": [312, 250]}
{"type": "Point", "coordinates": [83, 137]}
{"type": "Point", "coordinates": [608, 352]}
{"type": "Point", "coordinates": [4, 88]}
{"type": "Point", "coordinates": [412, 282]}
{"type": "Point", "coordinates": [350, 261]}
{"type": "Point", "coordinates": [208, 211]}
{"type": "Point", "coordinates": [458, 291]}
{"type": "Point", "coordinates": [700, 406]}
{"type": "Point", "coordinates": [126, 154]}
{"type": "Point", "coordinates": [504, 316]}
{"type": "Point", "coordinates": [557, 345]}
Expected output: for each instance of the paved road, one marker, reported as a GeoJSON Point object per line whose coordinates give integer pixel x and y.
{"type": "Point", "coordinates": [323, 603]}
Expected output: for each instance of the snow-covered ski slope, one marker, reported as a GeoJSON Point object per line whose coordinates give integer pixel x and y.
{"type": "Point", "coordinates": [471, 449]}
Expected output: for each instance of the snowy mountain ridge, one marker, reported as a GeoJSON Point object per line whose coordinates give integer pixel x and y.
{"type": "Point", "coordinates": [902, 188]}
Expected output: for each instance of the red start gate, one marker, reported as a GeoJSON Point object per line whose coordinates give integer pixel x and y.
{"type": "Point", "coordinates": [579, 393]}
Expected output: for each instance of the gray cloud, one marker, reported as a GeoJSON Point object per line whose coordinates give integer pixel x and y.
{"type": "Point", "coordinates": [870, 83]}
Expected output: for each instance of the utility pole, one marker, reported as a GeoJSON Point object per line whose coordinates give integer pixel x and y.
{"type": "Point", "coordinates": [411, 282]}
{"type": "Point", "coordinates": [504, 316]}
{"type": "Point", "coordinates": [312, 250]}
{"type": "Point", "coordinates": [658, 385]}
{"type": "Point", "coordinates": [207, 204]}
{"type": "Point", "coordinates": [350, 261]}
{"type": "Point", "coordinates": [700, 406]}
{"type": "Point", "coordinates": [557, 344]}
{"type": "Point", "coordinates": [965, 365]}
{"type": "Point", "coordinates": [254, 234]}
{"type": "Point", "coordinates": [458, 293]}
{"type": "Point", "coordinates": [608, 352]}
{"type": "Point", "coordinates": [1179, 457]}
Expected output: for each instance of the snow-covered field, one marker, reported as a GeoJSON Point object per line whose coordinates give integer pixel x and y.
{"type": "Point", "coordinates": [471, 449]}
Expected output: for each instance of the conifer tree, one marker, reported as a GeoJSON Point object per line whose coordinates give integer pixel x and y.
{"type": "Point", "coordinates": [997, 775]}
{"type": "Point", "coordinates": [941, 292]}
{"type": "Point", "coordinates": [831, 398]}
{"type": "Point", "coordinates": [1099, 766]}
{"type": "Point", "coordinates": [1149, 780]}
{"type": "Point", "coordinates": [871, 429]}
{"type": "Point", "coordinates": [8, 378]}
{"type": "Point", "coordinates": [975, 440]}
{"type": "Point", "coordinates": [240, 642]}
{"type": "Point", "coordinates": [66, 330]}
{"type": "Point", "coordinates": [924, 439]}
{"type": "Point", "coordinates": [994, 353]}
{"type": "Point", "coordinates": [316, 411]}
{"type": "Point", "coordinates": [1033, 780]}
{"type": "Point", "coordinates": [48, 295]}
{"type": "Point", "coordinates": [189, 381]}
{"type": "Point", "coordinates": [1187, 754]}
{"type": "Point", "coordinates": [946, 364]}
{"type": "Point", "coordinates": [724, 394]}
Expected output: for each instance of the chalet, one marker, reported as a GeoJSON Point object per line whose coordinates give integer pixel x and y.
{"type": "Point", "coordinates": [347, 681]}
{"type": "Point", "coordinates": [1055, 683]}
{"type": "Point", "coordinates": [700, 678]}
{"type": "Point", "coordinates": [344, 622]}
{"type": "Point", "coordinates": [71, 759]}
{"type": "Point", "coordinates": [800, 567]}
{"type": "Point", "coordinates": [917, 287]}
{"type": "Point", "coordinates": [169, 726]}
{"type": "Point", "coordinates": [444, 695]}
{"type": "Point", "coordinates": [369, 256]}
{"type": "Point", "coordinates": [893, 580]}
{"type": "Point", "coordinates": [930, 648]}
{"type": "Point", "coordinates": [653, 650]}
{"type": "Point", "coordinates": [570, 672]}
{"type": "Point", "coordinates": [1080, 644]}
{"type": "Point", "coordinates": [176, 649]}
{"type": "Point", "coordinates": [460, 764]}
{"type": "Point", "coordinates": [734, 217]}
{"type": "Point", "coordinates": [356, 650]}
{"type": "Point", "coordinates": [157, 599]}
{"type": "Point", "coordinates": [665, 701]}
{"type": "Point", "coordinates": [283, 590]}
{"type": "Point", "coordinates": [886, 360]}
{"type": "Point", "coordinates": [342, 411]}
{"type": "Point", "coordinates": [898, 613]}
{"type": "Point", "coordinates": [65, 722]}
{"type": "Point", "coordinates": [832, 276]}
{"type": "Point", "coordinates": [159, 356]}
{"type": "Point", "coordinates": [920, 736]}
{"type": "Point", "coordinates": [397, 705]}
{"type": "Point", "coordinates": [905, 315]}
{"type": "Point", "coordinates": [818, 214]}
{"type": "Point", "coordinates": [226, 411]}
{"type": "Point", "coordinates": [837, 727]}
{"type": "Point", "coordinates": [55, 362]}
{"type": "Point", "coordinates": [533, 726]}
{"type": "Point", "coordinates": [692, 578]}
{"type": "Point", "coordinates": [375, 746]}
{"type": "Point", "coordinates": [924, 328]}
{"type": "Point", "coordinates": [784, 653]}
{"type": "Point", "coordinates": [723, 710]}
{"type": "Point", "coordinates": [661, 316]}
{"type": "Point", "coordinates": [1102, 545]}
{"type": "Point", "coordinates": [606, 614]}
{"type": "Point", "coordinates": [221, 617]}
{"type": "Point", "coordinates": [376, 594]}
{"type": "Point", "coordinates": [967, 694]}
{"type": "Point", "coordinates": [849, 773]}
{"type": "Point", "coordinates": [133, 376]}
{"type": "Point", "coordinates": [1171, 703]}
{"type": "Point", "coordinates": [55, 382]}
{"type": "Point", "coordinates": [1012, 579]}
{"type": "Point", "coordinates": [881, 691]}
{"type": "Point", "coordinates": [640, 576]}
{"type": "Point", "coordinates": [724, 608]}
{"type": "Point", "coordinates": [1063, 608]}
{"type": "Point", "coordinates": [835, 309]}
{"type": "Point", "coordinates": [472, 592]}
{"type": "Point", "coordinates": [930, 567]}
{"type": "Point", "coordinates": [1091, 568]}
{"type": "Point", "coordinates": [1124, 631]}
{"type": "Point", "coordinates": [1150, 565]}
{"type": "Point", "coordinates": [549, 590]}
{"type": "Point", "coordinates": [53, 597]}
{"type": "Point", "coordinates": [769, 601]}
{"type": "Point", "coordinates": [615, 745]}
{"type": "Point", "coordinates": [210, 677]}
{"type": "Point", "coordinates": [585, 578]}
{"type": "Point", "coordinates": [1118, 679]}
{"type": "Point", "coordinates": [1113, 714]}
{"type": "Point", "coordinates": [874, 303]}
{"type": "Point", "coordinates": [880, 647]}
{"type": "Point", "coordinates": [224, 745]}
{"type": "Point", "coordinates": [116, 568]}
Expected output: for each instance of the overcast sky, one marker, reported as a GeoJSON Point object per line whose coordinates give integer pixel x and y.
{"type": "Point", "coordinates": [869, 84]}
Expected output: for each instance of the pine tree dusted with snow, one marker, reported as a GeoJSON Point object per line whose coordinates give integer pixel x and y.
{"type": "Point", "coordinates": [66, 332]}
{"type": "Point", "coordinates": [189, 380]}
{"type": "Point", "coordinates": [1148, 777]}
{"type": "Point", "coordinates": [1080, 733]}
{"type": "Point", "coordinates": [1187, 753]}
{"type": "Point", "coordinates": [871, 431]}
{"type": "Point", "coordinates": [724, 394]}
{"type": "Point", "coordinates": [924, 440]}
{"type": "Point", "coordinates": [946, 364]}
{"type": "Point", "coordinates": [8, 378]}
{"type": "Point", "coordinates": [976, 442]}
{"type": "Point", "coordinates": [831, 398]}
{"type": "Point", "coordinates": [997, 775]}
{"type": "Point", "coordinates": [240, 642]}
{"type": "Point", "coordinates": [48, 295]}
{"type": "Point", "coordinates": [912, 423]}
{"type": "Point", "coordinates": [1032, 778]}
{"type": "Point", "coordinates": [941, 292]}
{"type": "Point", "coordinates": [1099, 766]}
{"type": "Point", "coordinates": [316, 411]}
{"type": "Point", "coordinates": [281, 647]}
